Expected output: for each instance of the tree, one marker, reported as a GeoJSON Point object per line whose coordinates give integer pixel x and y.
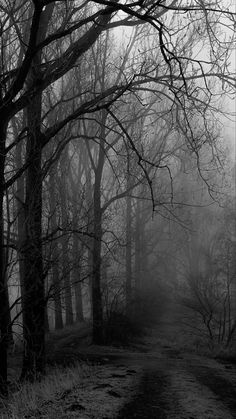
{"type": "Point", "coordinates": [33, 302]}
{"type": "Point", "coordinates": [56, 285]}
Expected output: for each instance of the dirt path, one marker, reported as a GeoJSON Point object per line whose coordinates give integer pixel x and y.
{"type": "Point", "coordinates": [182, 386]}
{"type": "Point", "coordinates": [178, 384]}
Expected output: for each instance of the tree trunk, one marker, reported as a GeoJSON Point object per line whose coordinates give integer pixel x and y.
{"type": "Point", "coordinates": [78, 297]}
{"type": "Point", "coordinates": [55, 254]}
{"type": "Point", "coordinates": [3, 290]}
{"type": "Point", "coordinates": [10, 339]}
{"type": "Point", "coordinates": [128, 255]}
{"type": "Point", "coordinates": [89, 221]}
{"type": "Point", "coordinates": [33, 283]}
{"type": "Point", "coordinates": [76, 281]}
{"type": "Point", "coordinates": [46, 321]}
{"type": "Point", "coordinates": [66, 281]}
{"type": "Point", "coordinates": [97, 230]}
{"type": "Point", "coordinates": [20, 199]}
{"type": "Point", "coordinates": [56, 288]}
{"type": "Point", "coordinates": [96, 284]}
{"type": "Point", "coordinates": [65, 250]}
{"type": "Point", "coordinates": [137, 246]}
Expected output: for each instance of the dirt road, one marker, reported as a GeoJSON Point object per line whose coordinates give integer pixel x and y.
{"type": "Point", "coordinates": [185, 386]}
{"type": "Point", "coordinates": [179, 384]}
{"type": "Point", "coordinates": [173, 381]}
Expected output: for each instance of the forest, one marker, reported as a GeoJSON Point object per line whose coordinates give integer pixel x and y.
{"type": "Point", "coordinates": [117, 174]}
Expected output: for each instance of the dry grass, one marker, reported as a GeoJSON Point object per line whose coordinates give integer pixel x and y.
{"type": "Point", "coordinates": [83, 391]}
{"type": "Point", "coordinates": [36, 400]}
{"type": "Point", "coordinates": [72, 387]}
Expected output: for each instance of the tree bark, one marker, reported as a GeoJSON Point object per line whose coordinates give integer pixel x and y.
{"type": "Point", "coordinates": [33, 283]}
{"type": "Point", "coordinates": [66, 280]}
{"type": "Point", "coordinates": [78, 297]}
{"type": "Point", "coordinates": [77, 254]}
{"type": "Point", "coordinates": [89, 240]}
{"type": "Point", "coordinates": [64, 243]}
{"type": "Point", "coordinates": [3, 285]}
{"type": "Point", "coordinates": [96, 283]}
{"type": "Point", "coordinates": [137, 246]}
{"type": "Point", "coordinates": [57, 288]}
{"type": "Point", "coordinates": [20, 199]}
{"type": "Point", "coordinates": [128, 255]}
{"type": "Point", "coordinates": [55, 254]}
{"type": "Point", "coordinates": [97, 230]}
{"type": "Point", "coordinates": [77, 280]}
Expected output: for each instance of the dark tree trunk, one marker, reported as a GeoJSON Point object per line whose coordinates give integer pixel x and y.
{"type": "Point", "coordinates": [138, 250]}
{"type": "Point", "coordinates": [33, 299]}
{"type": "Point", "coordinates": [4, 315]}
{"type": "Point", "coordinates": [140, 262]}
{"type": "Point", "coordinates": [96, 284]}
{"type": "Point", "coordinates": [77, 280]}
{"type": "Point", "coordinates": [78, 294]}
{"type": "Point", "coordinates": [89, 241]}
{"type": "Point", "coordinates": [97, 230]}
{"type": "Point", "coordinates": [67, 281]}
{"type": "Point", "coordinates": [33, 283]}
{"type": "Point", "coordinates": [46, 322]}
{"type": "Point", "coordinates": [55, 254]}
{"type": "Point", "coordinates": [20, 199]}
{"type": "Point", "coordinates": [4, 318]}
{"type": "Point", "coordinates": [65, 249]}
{"type": "Point", "coordinates": [10, 338]}
{"type": "Point", "coordinates": [78, 298]}
{"type": "Point", "coordinates": [57, 289]}
{"type": "Point", "coordinates": [90, 273]}
{"type": "Point", "coordinates": [128, 256]}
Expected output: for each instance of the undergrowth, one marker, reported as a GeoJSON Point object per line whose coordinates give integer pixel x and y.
{"type": "Point", "coordinates": [119, 329]}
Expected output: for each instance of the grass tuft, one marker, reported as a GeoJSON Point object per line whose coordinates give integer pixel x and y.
{"type": "Point", "coordinates": [37, 400]}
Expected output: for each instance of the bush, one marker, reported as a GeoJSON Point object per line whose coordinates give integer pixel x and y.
{"type": "Point", "coordinates": [149, 305]}
{"type": "Point", "coordinates": [120, 329]}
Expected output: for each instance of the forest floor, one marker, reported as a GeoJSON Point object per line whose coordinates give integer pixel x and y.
{"type": "Point", "coordinates": [160, 376]}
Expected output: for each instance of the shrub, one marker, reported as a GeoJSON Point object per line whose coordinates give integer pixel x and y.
{"type": "Point", "coordinates": [120, 328]}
